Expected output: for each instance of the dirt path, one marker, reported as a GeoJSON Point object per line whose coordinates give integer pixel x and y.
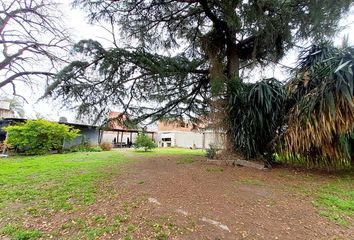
{"type": "Point", "coordinates": [162, 198]}
{"type": "Point", "coordinates": [215, 202]}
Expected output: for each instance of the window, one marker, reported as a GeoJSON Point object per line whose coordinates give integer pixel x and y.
{"type": "Point", "coordinates": [166, 139]}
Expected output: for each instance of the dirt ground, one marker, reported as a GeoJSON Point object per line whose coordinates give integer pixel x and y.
{"type": "Point", "coordinates": [166, 198]}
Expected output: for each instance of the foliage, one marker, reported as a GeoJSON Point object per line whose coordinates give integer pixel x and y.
{"type": "Point", "coordinates": [106, 146]}
{"type": "Point", "coordinates": [144, 141]}
{"type": "Point", "coordinates": [256, 114]}
{"type": "Point", "coordinates": [212, 151]}
{"type": "Point", "coordinates": [39, 136]}
{"type": "Point", "coordinates": [185, 52]}
{"type": "Point", "coordinates": [321, 115]}
{"type": "Point", "coordinates": [309, 120]}
{"type": "Point", "coordinates": [85, 148]}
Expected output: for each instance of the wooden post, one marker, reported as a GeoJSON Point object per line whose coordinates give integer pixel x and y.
{"type": "Point", "coordinates": [121, 139]}
{"type": "Point", "coordinates": [117, 138]}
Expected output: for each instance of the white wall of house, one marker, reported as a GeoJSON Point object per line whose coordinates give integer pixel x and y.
{"type": "Point", "coordinates": [189, 139]}
{"type": "Point", "coordinates": [195, 139]}
{"type": "Point", "coordinates": [166, 139]}
{"type": "Point", "coordinates": [212, 138]}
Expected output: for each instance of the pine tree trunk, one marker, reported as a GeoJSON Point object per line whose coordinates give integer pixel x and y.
{"type": "Point", "coordinates": [233, 66]}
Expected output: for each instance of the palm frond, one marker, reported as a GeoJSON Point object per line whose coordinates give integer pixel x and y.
{"type": "Point", "coordinates": [321, 121]}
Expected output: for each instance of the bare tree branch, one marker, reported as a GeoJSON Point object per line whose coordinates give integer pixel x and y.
{"type": "Point", "coordinates": [31, 36]}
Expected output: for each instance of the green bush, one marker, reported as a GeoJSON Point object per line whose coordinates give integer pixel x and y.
{"type": "Point", "coordinates": [212, 151]}
{"type": "Point", "coordinates": [143, 141]}
{"type": "Point", "coordinates": [39, 136]}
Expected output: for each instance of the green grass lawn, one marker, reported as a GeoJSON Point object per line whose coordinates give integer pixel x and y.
{"type": "Point", "coordinates": [63, 180]}
{"type": "Point", "coordinates": [40, 185]}
{"type": "Point", "coordinates": [335, 200]}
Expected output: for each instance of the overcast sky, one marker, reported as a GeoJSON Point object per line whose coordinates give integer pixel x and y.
{"type": "Point", "coordinates": [75, 19]}
{"type": "Point", "coordinates": [79, 27]}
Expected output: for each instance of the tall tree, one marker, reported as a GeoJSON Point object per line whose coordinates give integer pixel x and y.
{"type": "Point", "coordinates": [180, 57]}
{"type": "Point", "coordinates": [32, 40]}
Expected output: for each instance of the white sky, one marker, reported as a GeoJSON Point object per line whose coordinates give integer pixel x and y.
{"type": "Point", "coordinates": [82, 30]}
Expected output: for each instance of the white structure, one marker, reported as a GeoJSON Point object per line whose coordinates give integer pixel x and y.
{"type": "Point", "coordinates": [5, 111]}
{"type": "Point", "coordinates": [190, 139]}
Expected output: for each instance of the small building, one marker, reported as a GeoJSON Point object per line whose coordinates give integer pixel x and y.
{"type": "Point", "coordinates": [88, 133]}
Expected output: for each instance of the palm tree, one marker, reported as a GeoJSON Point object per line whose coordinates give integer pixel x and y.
{"type": "Point", "coordinates": [321, 114]}
{"type": "Point", "coordinates": [256, 114]}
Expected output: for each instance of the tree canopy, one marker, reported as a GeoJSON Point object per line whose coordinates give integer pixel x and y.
{"type": "Point", "coordinates": [184, 58]}
{"type": "Point", "coordinates": [174, 58]}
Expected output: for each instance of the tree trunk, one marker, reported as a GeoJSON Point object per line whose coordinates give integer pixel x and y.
{"type": "Point", "coordinates": [233, 62]}
{"type": "Point", "coordinates": [233, 66]}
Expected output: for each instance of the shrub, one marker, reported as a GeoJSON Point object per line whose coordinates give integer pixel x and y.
{"type": "Point", "coordinates": [143, 141]}
{"type": "Point", "coordinates": [106, 146]}
{"type": "Point", "coordinates": [39, 136]}
{"type": "Point", "coordinates": [94, 149]}
{"type": "Point", "coordinates": [85, 148]}
{"type": "Point", "coordinates": [212, 151]}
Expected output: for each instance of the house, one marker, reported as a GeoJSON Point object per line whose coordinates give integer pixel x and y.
{"type": "Point", "coordinates": [187, 135]}
{"type": "Point", "coordinates": [88, 133]}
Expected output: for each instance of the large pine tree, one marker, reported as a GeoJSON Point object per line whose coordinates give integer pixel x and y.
{"type": "Point", "coordinates": [174, 58]}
